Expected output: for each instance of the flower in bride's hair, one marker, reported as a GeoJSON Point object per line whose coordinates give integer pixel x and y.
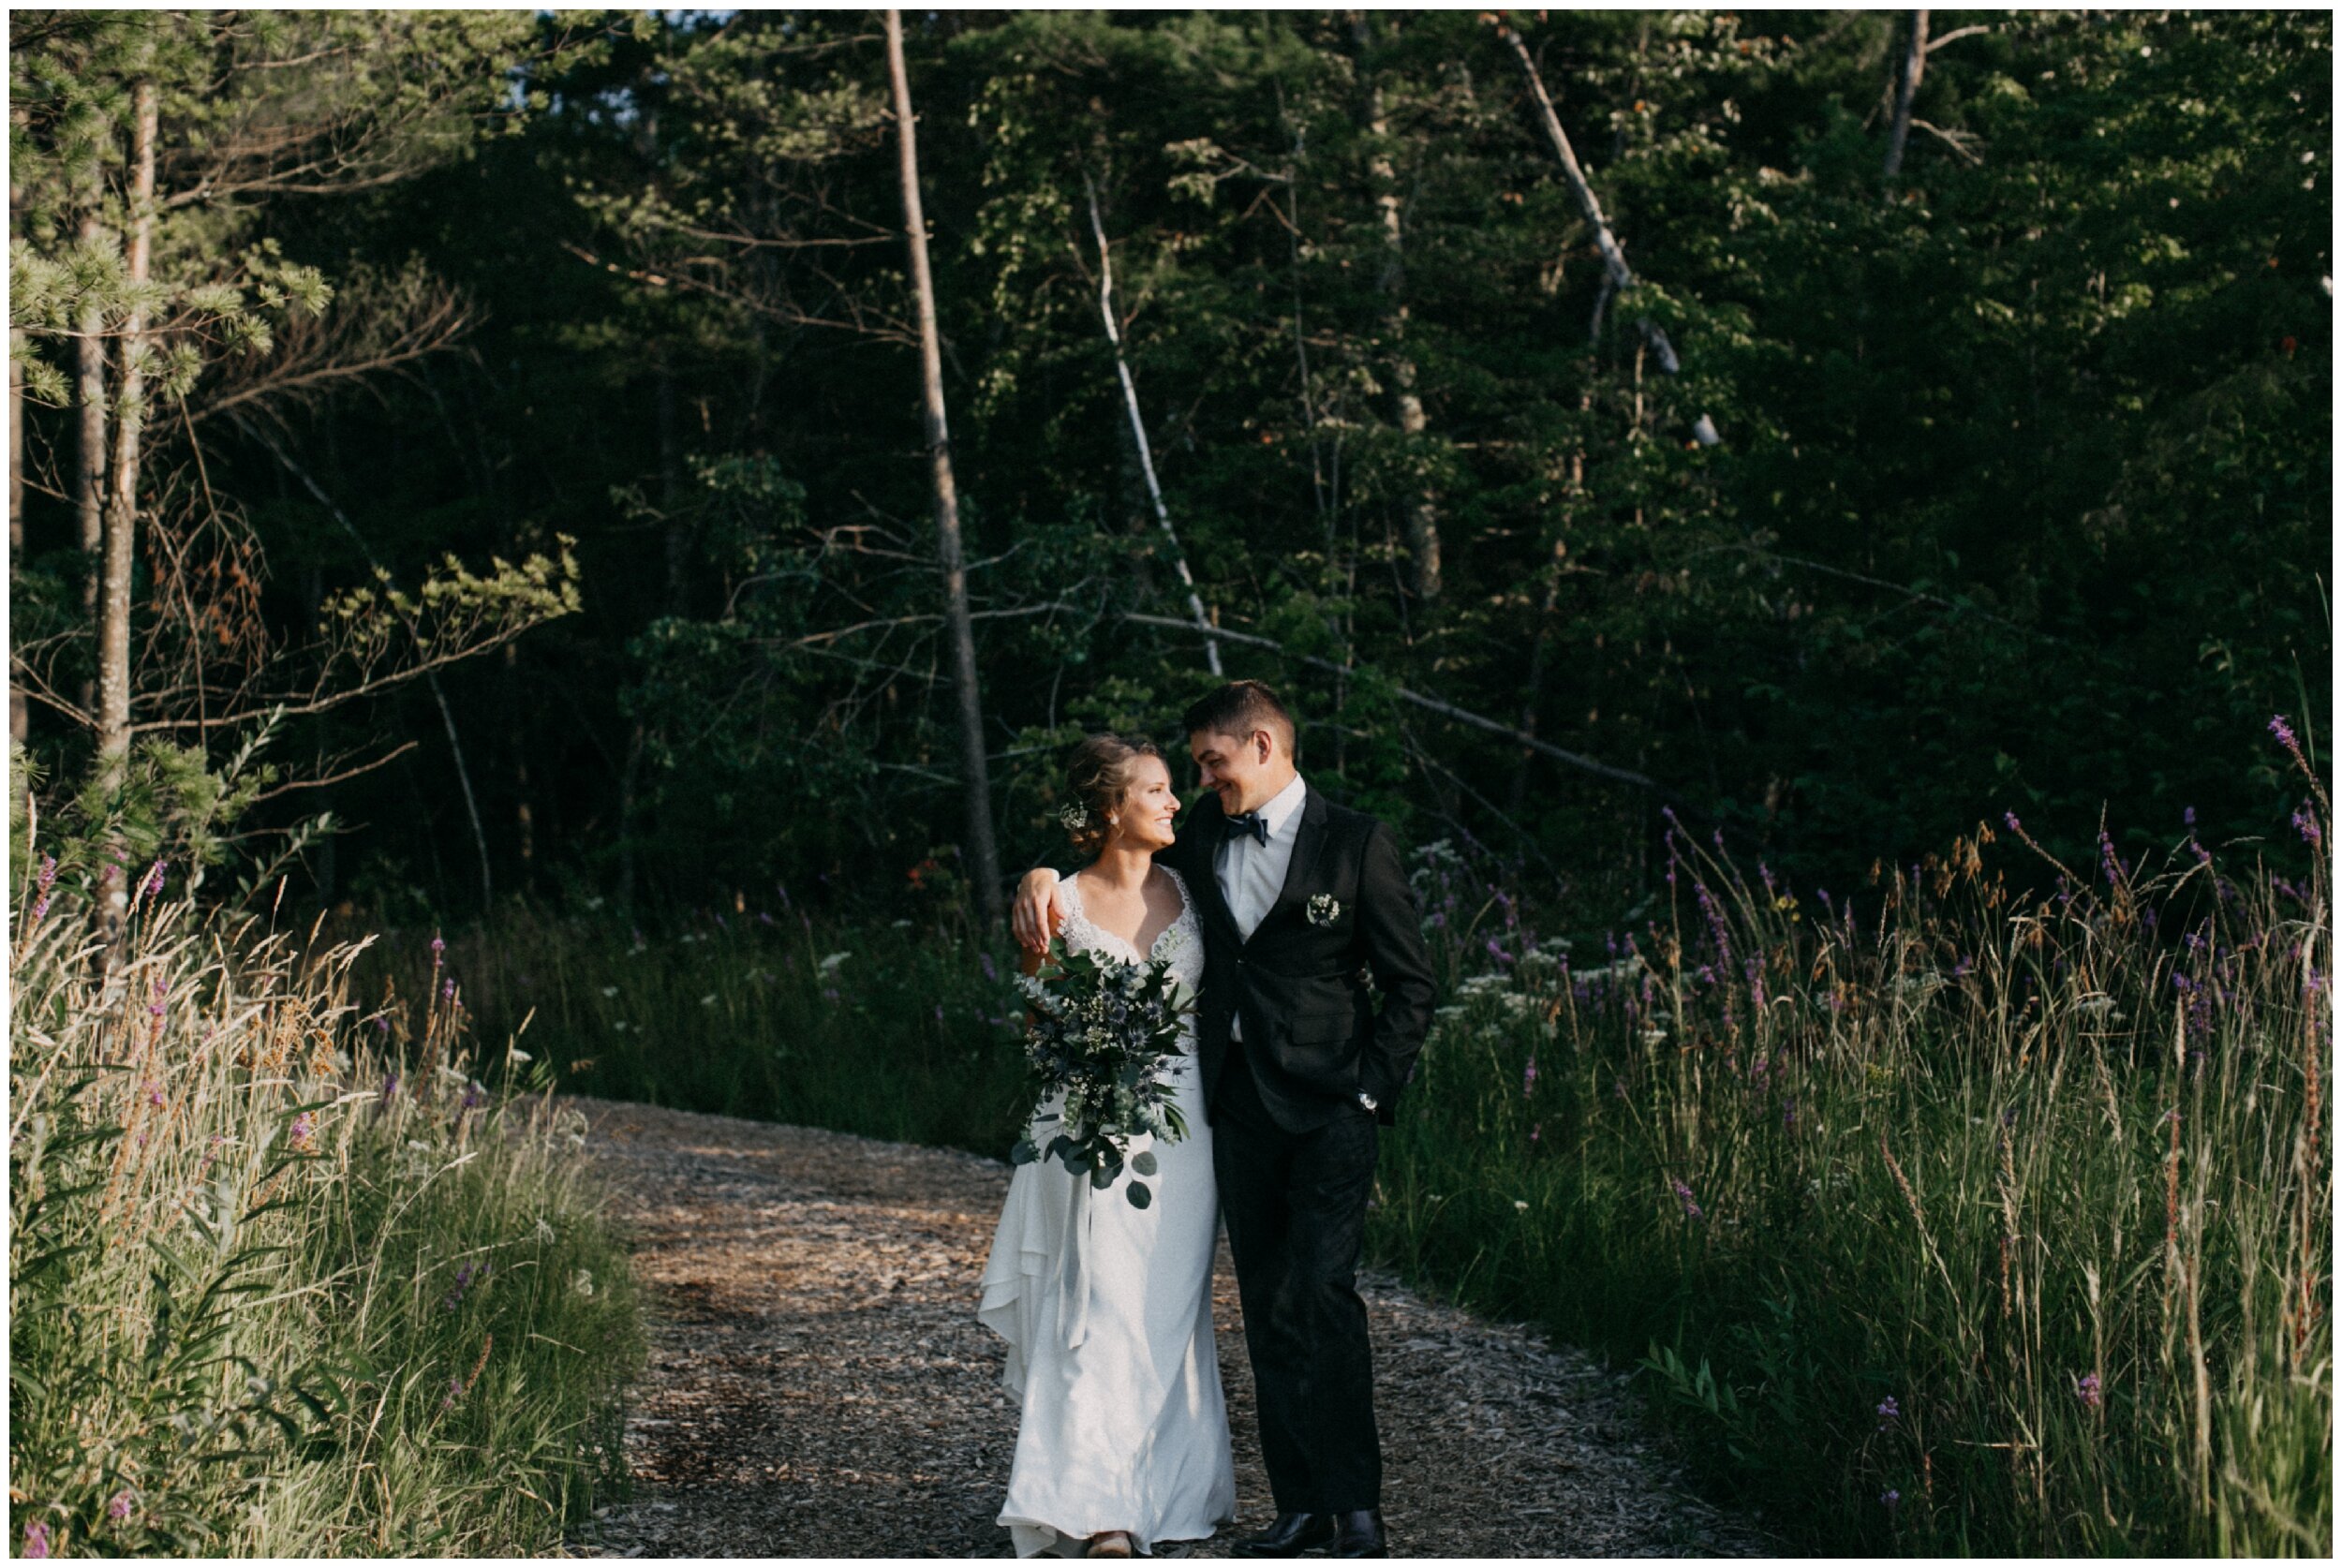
{"type": "Point", "coordinates": [1073, 814]}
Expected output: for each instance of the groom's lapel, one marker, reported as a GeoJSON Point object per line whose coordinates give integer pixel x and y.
{"type": "Point", "coordinates": [1306, 846]}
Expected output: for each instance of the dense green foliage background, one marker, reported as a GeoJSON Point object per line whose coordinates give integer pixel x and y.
{"type": "Point", "coordinates": [2022, 500]}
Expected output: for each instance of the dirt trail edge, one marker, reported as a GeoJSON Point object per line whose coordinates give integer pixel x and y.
{"type": "Point", "coordinates": [818, 1386]}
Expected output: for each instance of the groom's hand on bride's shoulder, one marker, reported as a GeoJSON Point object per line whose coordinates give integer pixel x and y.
{"type": "Point", "coordinates": [1039, 910]}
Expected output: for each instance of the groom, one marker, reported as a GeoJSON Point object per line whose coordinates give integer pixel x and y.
{"type": "Point", "coordinates": [1301, 899]}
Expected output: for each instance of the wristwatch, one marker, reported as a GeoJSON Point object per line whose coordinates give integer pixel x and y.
{"type": "Point", "coordinates": [1369, 1101]}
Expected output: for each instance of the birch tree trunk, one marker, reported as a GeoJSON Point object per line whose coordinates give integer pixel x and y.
{"type": "Point", "coordinates": [1906, 88]}
{"type": "Point", "coordinates": [1138, 428]}
{"type": "Point", "coordinates": [1613, 256]}
{"type": "Point", "coordinates": [1423, 540]}
{"type": "Point", "coordinates": [122, 508]}
{"type": "Point", "coordinates": [18, 717]}
{"type": "Point", "coordinates": [89, 490]}
{"type": "Point", "coordinates": [986, 871]}
{"type": "Point", "coordinates": [122, 504]}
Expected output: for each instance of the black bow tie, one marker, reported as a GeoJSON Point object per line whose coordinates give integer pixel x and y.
{"type": "Point", "coordinates": [1248, 824]}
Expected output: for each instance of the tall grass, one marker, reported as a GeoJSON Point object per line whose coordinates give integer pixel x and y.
{"type": "Point", "coordinates": [287, 1280]}
{"type": "Point", "coordinates": [897, 1031]}
{"type": "Point", "coordinates": [1945, 1219]}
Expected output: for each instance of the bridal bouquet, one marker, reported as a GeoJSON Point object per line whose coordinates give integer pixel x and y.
{"type": "Point", "coordinates": [1100, 1032]}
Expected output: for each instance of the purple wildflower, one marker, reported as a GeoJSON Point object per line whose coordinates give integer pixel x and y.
{"type": "Point", "coordinates": [120, 1506]}
{"type": "Point", "coordinates": [1496, 951]}
{"type": "Point", "coordinates": [154, 878]}
{"type": "Point", "coordinates": [390, 1088]}
{"type": "Point", "coordinates": [304, 1132]}
{"type": "Point", "coordinates": [991, 973]}
{"type": "Point", "coordinates": [1536, 1131]}
{"type": "Point", "coordinates": [1691, 1205]}
{"type": "Point", "coordinates": [2086, 1390]}
{"type": "Point", "coordinates": [2306, 825]}
{"type": "Point", "coordinates": [1789, 1115]}
{"type": "Point", "coordinates": [466, 1277]}
{"type": "Point", "coordinates": [35, 1539]}
{"type": "Point", "coordinates": [1528, 1078]}
{"type": "Point", "coordinates": [2188, 817]}
{"type": "Point", "coordinates": [2010, 817]}
{"type": "Point", "coordinates": [2284, 733]}
{"type": "Point", "coordinates": [48, 872]}
{"type": "Point", "coordinates": [473, 1098]}
{"type": "Point", "coordinates": [1889, 1498]}
{"type": "Point", "coordinates": [447, 991]}
{"type": "Point", "coordinates": [155, 1008]}
{"type": "Point", "coordinates": [1888, 1413]}
{"type": "Point", "coordinates": [438, 951]}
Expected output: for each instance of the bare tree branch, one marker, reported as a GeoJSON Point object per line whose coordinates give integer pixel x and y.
{"type": "Point", "coordinates": [1429, 705]}
{"type": "Point", "coordinates": [1138, 423]}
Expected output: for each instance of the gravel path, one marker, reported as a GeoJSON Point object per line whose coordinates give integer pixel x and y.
{"type": "Point", "coordinates": [818, 1385]}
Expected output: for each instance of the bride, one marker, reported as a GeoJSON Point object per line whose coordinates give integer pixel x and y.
{"type": "Point", "coordinates": [1106, 1308]}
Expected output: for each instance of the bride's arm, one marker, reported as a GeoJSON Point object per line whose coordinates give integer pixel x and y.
{"type": "Point", "coordinates": [1039, 912]}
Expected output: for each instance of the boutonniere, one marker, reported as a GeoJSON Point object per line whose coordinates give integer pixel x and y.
{"type": "Point", "coordinates": [1323, 908]}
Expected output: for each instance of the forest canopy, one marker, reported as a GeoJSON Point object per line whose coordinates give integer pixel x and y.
{"type": "Point", "coordinates": [524, 410]}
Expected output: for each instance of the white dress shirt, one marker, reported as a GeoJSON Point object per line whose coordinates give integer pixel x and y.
{"type": "Point", "coordinates": [1250, 874]}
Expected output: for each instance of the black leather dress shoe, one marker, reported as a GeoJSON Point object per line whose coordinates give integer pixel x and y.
{"type": "Point", "coordinates": [1290, 1536]}
{"type": "Point", "coordinates": [1359, 1535]}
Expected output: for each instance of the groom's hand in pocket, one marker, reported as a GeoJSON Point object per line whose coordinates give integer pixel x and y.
{"type": "Point", "coordinates": [1039, 911]}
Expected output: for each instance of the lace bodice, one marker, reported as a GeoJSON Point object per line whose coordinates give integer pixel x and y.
{"type": "Point", "coordinates": [1181, 943]}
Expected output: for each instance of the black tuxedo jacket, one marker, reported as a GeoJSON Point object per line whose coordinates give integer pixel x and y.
{"type": "Point", "coordinates": [1311, 1036]}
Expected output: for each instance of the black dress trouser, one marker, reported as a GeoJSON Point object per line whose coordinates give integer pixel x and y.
{"type": "Point", "coordinates": [1295, 1203]}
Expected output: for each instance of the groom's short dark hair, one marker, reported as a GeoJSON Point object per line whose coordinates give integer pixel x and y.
{"type": "Point", "coordinates": [1240, 707]}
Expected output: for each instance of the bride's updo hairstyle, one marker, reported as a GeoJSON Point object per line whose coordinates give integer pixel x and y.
{"type": "Point", "coordinates": [1097, 777]}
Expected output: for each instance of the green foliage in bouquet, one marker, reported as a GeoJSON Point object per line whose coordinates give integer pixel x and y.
{"type": "Point", "coordinates": [1099, 1033]}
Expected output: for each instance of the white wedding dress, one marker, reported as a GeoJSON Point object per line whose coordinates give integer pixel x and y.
{"type": "Point", "coordinates": [1106, 1310]}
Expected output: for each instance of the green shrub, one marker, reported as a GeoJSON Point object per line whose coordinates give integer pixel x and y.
{"type": "Point", "coordinates": [893, 1031]}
